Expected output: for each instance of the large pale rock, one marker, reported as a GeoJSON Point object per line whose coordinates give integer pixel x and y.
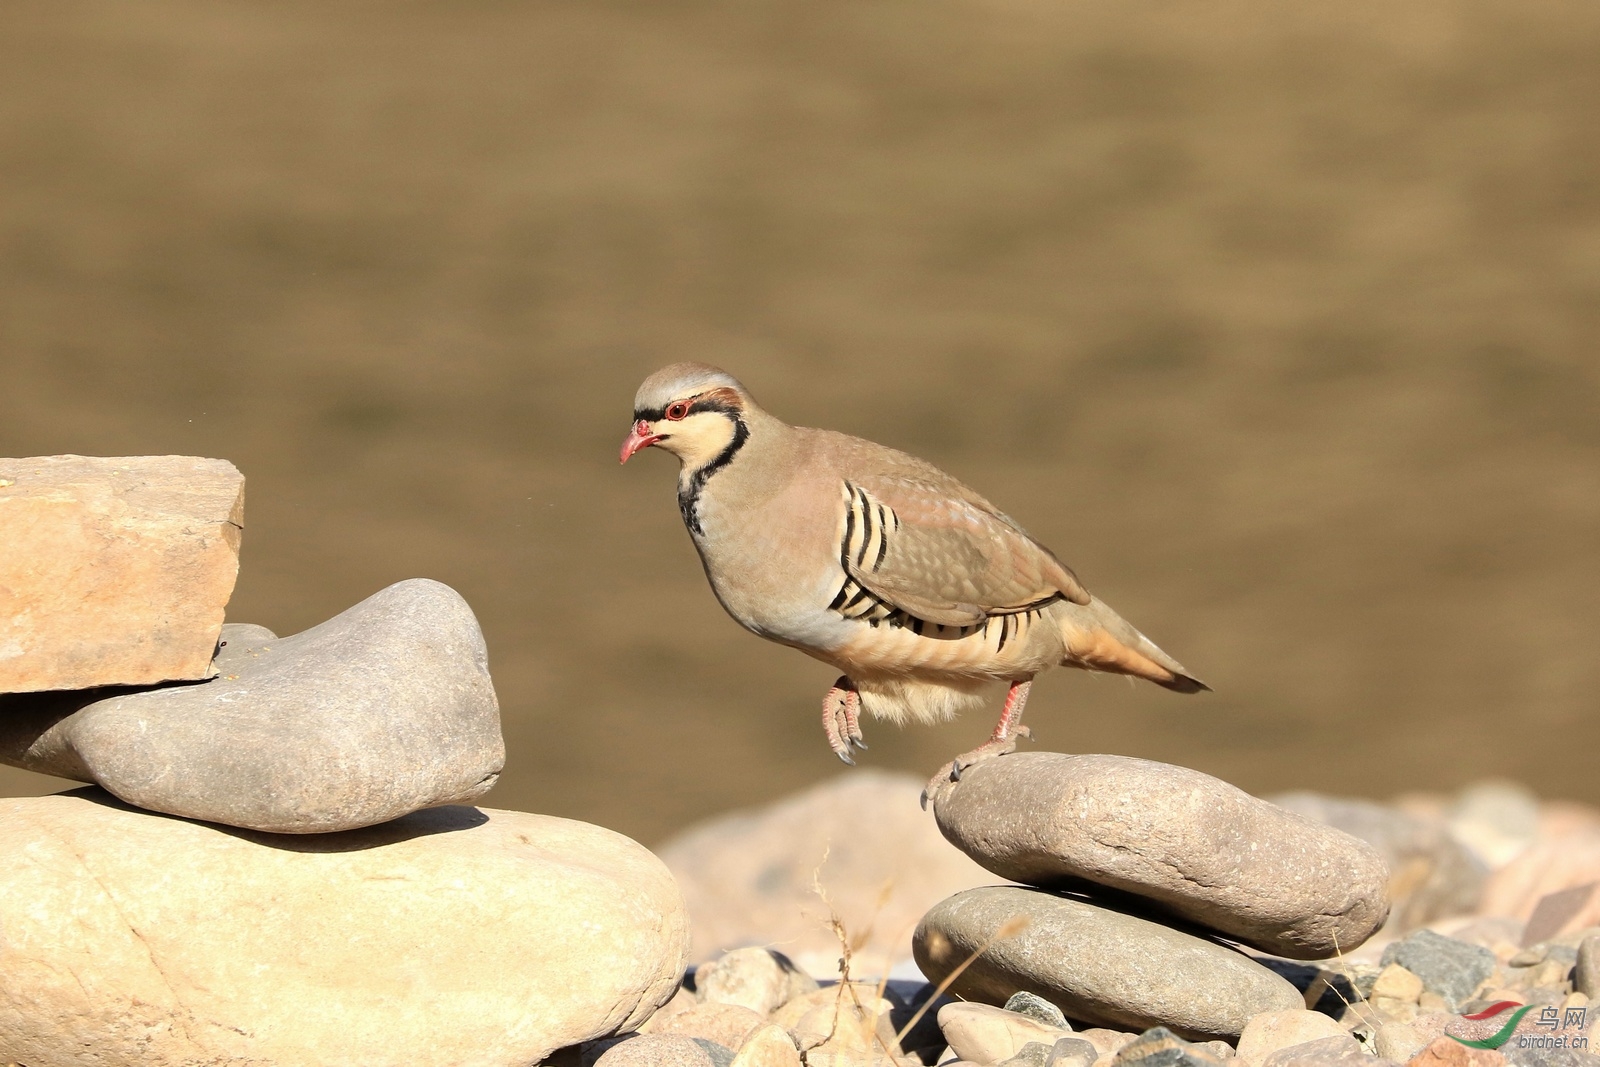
{"type": "Point", "coordinates": [114, 571]}
{"type": "Point", "coordinates": [1099, 965]}
{"type": "Point", "coordinates": [380, 711]}
{"type": "Point", "coordinates": [751, 877]}
{"type": "Point", "coordinates": [1204, 850]}
{"type": "Point", "coordinates": [454, 935]}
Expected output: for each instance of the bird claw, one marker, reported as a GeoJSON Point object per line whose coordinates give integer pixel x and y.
{"type": "Point", "coordinates": [952, 771]}
{"type": "Point", "coordinates": [841, 720]}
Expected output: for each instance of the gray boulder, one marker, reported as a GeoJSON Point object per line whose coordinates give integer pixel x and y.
{"type": "Point", "coordinates": [1451, 968]}
{"type": "Point", "coordinates": [376, 713]}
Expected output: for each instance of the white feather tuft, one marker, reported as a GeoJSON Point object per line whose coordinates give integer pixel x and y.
{"type": "Point", "coordinates": [901, 700]}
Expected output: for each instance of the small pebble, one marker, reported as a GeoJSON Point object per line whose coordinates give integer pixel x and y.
{"type": "Point", "coordinates": [1396, 982]}
{"type": "Point", "coordinates": [1037, 1008]}
{"type": "Point", "coordinates": [1160, 1047]}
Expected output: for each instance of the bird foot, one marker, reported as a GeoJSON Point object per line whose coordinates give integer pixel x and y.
{"type": "Point", "coordinates": [952, 771]}
{"type": "Point", "coordinates": [841, 719]}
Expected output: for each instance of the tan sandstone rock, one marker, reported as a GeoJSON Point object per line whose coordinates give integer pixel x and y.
{"type": "Point", "coordinates": [115, 571]}
{"type": "Point", "coordinates": [462, 935]}
{"type": "Point", "coordinates": [664, 1050]}
{"type": "Point", "coordinates": [728, 1025]}
{"type": "Point", "coordinates": [1271, 1031]}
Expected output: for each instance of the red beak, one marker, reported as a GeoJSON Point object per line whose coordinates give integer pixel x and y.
{"type": "Point", "coordinates": [638, 437]}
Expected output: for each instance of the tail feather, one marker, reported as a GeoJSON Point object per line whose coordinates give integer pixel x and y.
{"type": "Point", "coordinates": [1099, 639]}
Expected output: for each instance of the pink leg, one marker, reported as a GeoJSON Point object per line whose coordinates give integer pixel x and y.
{"type": "Point", "coordinates": [841, 719]}
{"type": "Point", "coordinates": [1011, 714]}
{"type": "Point", "coordinates": [1003, 741]}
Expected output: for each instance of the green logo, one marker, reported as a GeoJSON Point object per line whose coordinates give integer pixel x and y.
{"type": "Point", "coordinates": [1502, 1035]}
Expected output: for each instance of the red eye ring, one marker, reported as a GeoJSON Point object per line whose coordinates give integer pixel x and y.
{"type": "Point", "coordinates": [677, 410]}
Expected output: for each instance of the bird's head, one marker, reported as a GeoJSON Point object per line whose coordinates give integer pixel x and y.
{"type": "Point", "coordinates": [692, 410]}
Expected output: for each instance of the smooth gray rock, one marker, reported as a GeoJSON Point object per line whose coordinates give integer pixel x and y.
{"type": "Point", "coordinates": [1103, 966]}
{"type": "Point", "coordinates": [1204, 850]}
{"type": "Point", "coordinates": [380, 711]}
{"type": "Point", "coordinates": [1437, 874]}
{"type": "Point", "coordinates": [1453, 969]}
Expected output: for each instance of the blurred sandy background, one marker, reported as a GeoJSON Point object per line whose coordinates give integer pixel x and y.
{"type": "Point", "coordinates": [1277, 321]}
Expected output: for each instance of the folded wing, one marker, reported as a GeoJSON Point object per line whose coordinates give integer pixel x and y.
{"type": "Point", "coordinates": [939, 552]}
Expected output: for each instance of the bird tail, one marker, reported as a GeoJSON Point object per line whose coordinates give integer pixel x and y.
{"type": "Point", "coordinates": [1098, 639]}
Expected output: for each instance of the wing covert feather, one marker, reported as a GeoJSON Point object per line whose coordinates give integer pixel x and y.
{"type": "Point", "coordinates": [946, 556]}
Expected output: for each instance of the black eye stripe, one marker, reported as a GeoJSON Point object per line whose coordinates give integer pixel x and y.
{"type": "Point", "coordinates": [696, 404]}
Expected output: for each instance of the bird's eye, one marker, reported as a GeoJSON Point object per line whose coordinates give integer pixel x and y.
{"type": "Point", "coordinates": [677, 410]}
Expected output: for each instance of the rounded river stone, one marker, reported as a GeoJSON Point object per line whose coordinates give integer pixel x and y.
{"type": "Point", "coordinates": [380, 711]}
{"type": "Point", "coordinates": [1204, 850]}
{"type": "Point", "coordinates": [1100, 965]}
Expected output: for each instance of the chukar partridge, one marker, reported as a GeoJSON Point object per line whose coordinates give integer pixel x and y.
{"type": "Point", "coordinates": [915, 587]}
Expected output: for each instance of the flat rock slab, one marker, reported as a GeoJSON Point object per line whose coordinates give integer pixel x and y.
{"type": "Point", "coordinates": [1102, 966]}
{"type": "Point", "coordinates": [115, 571]}
{"type": "Point", "coordinates": [455, 935]}
{"type": "Point", "coordinates": [380, 711]}
{"type": "Point", "coordinates": [1199, 847]}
